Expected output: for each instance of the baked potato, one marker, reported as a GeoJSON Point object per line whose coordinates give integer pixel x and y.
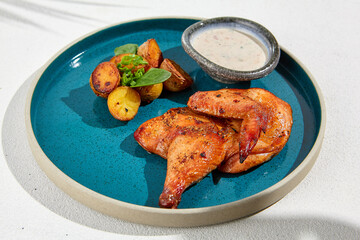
{"type": "Point", "coordinates": [124, 103]}
{"type": "Point", "coordinates": [151, 52]}
{"type": "Point", "coordinates": [150, 93]}
{"type": "Point", "coordinates": [104, 79]}
{"type": "Point", "coordinates": [179, 79]}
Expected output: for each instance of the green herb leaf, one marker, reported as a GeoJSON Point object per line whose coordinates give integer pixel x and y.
{"type": "Point", "coordinates": [139, 73]}
{"type": "Point", "coordinates": [138, 78]}
{"type": "Point", "coordinates": [138, 60]}
{"type": "Point", "coordinates": [129, 78]}
{"type": "Point", "coordinates": [153, 76]}
{"type": "Point", "coordinates": [127, 48]}
{"type": "Point", "coordinates": [126, 79]}
{"type": "Point", "coordinates": [133, 59]}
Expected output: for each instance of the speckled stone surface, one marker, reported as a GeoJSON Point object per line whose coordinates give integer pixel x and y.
{"type": "Point", "coordinates": [225, 75]}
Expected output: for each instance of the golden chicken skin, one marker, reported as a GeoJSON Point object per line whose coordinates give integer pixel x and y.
{"type": "Point", "coordinates": [231, 130]}
{"type": "Point", "coordinates": [193, 144]}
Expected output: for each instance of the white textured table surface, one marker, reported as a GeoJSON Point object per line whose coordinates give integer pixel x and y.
{"type": "Point", "coordinates": [323, 35]}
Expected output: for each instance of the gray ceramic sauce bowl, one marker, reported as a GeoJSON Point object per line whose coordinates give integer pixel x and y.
{"type": "Point", "coordinates": [225, 75]}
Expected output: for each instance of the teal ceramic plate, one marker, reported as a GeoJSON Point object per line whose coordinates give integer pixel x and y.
{"type": "Point", "coordinates": [95, 159]}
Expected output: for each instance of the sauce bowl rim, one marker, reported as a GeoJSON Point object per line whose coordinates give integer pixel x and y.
{"type": "Point", "coordinates": [254, 29]}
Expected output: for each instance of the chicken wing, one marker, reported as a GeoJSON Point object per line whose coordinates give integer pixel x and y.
{"type": "Point", "coordinates": [234, 103]}
{"type": "Point", "coordinates": [269, 142]}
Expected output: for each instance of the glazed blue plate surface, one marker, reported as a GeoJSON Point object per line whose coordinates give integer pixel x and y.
{"type": "Point", "coordinates": [77, 133]}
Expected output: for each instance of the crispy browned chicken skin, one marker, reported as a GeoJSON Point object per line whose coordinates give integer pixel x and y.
{"type": "Point", "coordinates": [234, 104]}
{"type": "Point", "coordinates": [193, 144]}
{"type": "Point", "coordinates": [270, 142]}
{"type": "Point", "coordinates": [221, 127]}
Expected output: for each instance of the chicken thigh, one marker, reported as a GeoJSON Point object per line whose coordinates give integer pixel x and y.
{"type": "Point", "coordinates": [193, 144]}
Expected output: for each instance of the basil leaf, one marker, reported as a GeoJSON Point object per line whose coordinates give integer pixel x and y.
{"type": "Point", "coordinates": [127, 48]}
{"type": "Point", "coordinates": [153, 76]}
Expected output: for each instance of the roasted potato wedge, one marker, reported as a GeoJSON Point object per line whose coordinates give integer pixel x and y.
{"type": "Point", "coordinates": [150, 50]}
{"type": "Point", "coordinates": [104, 79]}
{"type": "Point", "coordinates": [124, 103]}
{"type": "Point", "coordinates": [117, 59]}
{"type": "Point", "coordinates": [179, 79]}
{"type": "Point", "coordinates": [150, 93]}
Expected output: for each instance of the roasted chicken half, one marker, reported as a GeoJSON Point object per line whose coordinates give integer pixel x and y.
{"type": "Point", "coordinates": [217, 130]}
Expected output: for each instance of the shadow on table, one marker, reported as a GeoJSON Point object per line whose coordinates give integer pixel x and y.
{"type": "Point", "coordinates": [34, 181]}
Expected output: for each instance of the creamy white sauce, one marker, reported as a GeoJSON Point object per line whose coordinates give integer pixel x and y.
{"type": "Point", "coordinates": [230, 48]}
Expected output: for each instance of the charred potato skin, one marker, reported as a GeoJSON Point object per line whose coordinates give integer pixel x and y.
{"type": "Point", "coordinates": [117, 59]}
{"type": "Point", "coordinates": [150, 93]}
{"type": "Point", "coordinates": [151, 52]}
{"type": "Point", "coordinates": [104, 79]}
{"type": "Point", "coordinates": [179, 79]}
{"type": "Point", "coordinates": [124, 103]}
